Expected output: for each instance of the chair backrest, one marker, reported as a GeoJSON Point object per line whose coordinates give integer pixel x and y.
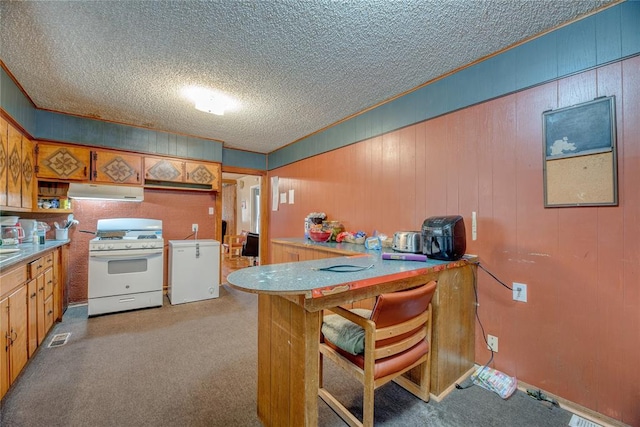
{"type": "Point", "coordinates": [397, 307]}
{"type": "Point", "coordinates": [251, 245]}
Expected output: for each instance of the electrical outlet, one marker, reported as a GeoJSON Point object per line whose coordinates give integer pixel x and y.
{"type": "Point", "coordinates": [519, 292]}
{"type": "Point", "coordinates": [492, 343]}
{"type": "Point", "coordinates": [194, 227]}
{"type": "Point", "coordinates": [210, 210]}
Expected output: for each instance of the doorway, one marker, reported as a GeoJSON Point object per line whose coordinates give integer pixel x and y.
{"type": "Point", "coordinates": [255, 208]}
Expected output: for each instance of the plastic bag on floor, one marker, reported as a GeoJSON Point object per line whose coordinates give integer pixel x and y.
{"type": "Point", "coordinates": [494, 380]}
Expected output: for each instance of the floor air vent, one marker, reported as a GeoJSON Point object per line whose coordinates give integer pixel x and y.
{"type": "Point", "coordinates": [59, 339]}
{"type": "Point", "coordinates": [577, 421]}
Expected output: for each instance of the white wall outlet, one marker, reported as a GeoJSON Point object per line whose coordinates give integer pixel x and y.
{"type": "Point", "coordinates": [194, 227]}
{"type": "Point", "coordinates": [492, 343]}
{"type": "Point", "coordinates": [210, 210]}
{"type": "Point", "coordinates": [519, 292]}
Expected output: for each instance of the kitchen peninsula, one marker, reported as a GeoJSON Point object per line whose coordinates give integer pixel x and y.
{"type": "Point", "coordinates": [292, 295]}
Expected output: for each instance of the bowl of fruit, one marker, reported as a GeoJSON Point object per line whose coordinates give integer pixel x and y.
{"type": "Point", "coordinates": [319, 235]}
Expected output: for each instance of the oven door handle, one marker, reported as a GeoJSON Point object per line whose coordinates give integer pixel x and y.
{"type": "Point", "coordinates": [124, 254]}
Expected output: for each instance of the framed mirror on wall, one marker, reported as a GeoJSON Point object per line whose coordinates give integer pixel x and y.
{"type": "Point", "coordinates": [580, 166]}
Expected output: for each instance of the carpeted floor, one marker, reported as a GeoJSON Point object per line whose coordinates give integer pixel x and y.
{"type": "Point", "coordinates": [195, 365]}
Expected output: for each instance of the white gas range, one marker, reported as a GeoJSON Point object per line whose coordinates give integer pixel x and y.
{"type": "Point", "coordinates": [126, 265]}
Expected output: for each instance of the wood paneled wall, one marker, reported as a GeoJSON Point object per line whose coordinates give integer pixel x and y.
{"type": "Point", "coordinates": [578, 336]}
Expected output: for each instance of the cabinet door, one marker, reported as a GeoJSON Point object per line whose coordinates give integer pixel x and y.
{"type": "Point", "coordinates": [14, 172]}
{"type": "Point", "coordinates": [203, 173]}
{"type": "Point", "coordinates": [4, 347]}
{"type": "Point", "coordinates": [116, 168]}
{"type": "Point", "coordinates": [18, 331]}
{"type": "Point", "coordinates": [57, 280]}
{"type": "Point", "coordinates": [62, 162]}
{"type": "Point", "coordinates": [48, 314]}
{"type": "Point", "coordinates": [4, 161]}
{"type": "Point", "coordinates": [28, 173]}
{"type": "Point", "coordinates": [32, 315]}
{"type": "Point", "coordinates": [40, 299]}
{"type": "Point", "coordinates": [157, 169]}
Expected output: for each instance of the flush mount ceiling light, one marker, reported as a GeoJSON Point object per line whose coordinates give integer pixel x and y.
{"type": "Point", "coordinates": [209, 101]}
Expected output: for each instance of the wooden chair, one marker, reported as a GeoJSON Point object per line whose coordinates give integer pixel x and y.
{"type": "Point", "coordinates": [233, 245]}
{"type": "Point", "coordinates": [397, 337]}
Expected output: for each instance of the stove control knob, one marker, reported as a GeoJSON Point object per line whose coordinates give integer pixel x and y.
{"type": "Point", "coordinates": [144, 245]}
{"type": "Point", "coordinates": [100, 247]}
{"type": "Point", "coordinates": [128, 245]}
{"type": "Point", "coordinates": [152, 244]}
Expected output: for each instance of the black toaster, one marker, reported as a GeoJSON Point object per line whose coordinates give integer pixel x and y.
{"type": "Point", "coordinates": [443, 237]}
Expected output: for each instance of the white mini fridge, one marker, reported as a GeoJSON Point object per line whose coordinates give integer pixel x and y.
{"type": "Point", "coordinates": [194, 270]}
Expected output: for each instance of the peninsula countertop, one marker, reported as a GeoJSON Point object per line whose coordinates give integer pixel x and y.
{"type": "Point", "coordinates": [305, 277]}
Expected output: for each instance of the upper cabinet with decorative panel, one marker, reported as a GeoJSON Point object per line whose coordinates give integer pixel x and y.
{"type": "Point", "coordinates": [4, 161]}
{"type": "Point", "coordinates": [166, 172]}
{"type": "Point", "coordinates": [111, 167]}
{"type": "Point", "coordinates": [163, 170]}
{"type": "Point", "coordinates": [64, 162]}
{"type": "Point", "coordinates": [204, 174]}
{"type": "Point", "coordinates": [18, 166]}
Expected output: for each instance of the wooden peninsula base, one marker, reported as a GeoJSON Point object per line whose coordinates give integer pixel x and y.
{"type": "Point", "coordinates": [289, 330]}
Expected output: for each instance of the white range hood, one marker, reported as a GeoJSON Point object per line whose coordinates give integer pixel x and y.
{"type": "Point", "coordinates": [106, 192]}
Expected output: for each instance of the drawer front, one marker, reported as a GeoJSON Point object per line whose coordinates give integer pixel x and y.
{"type": "Point", "coordinates": [36, 267]}
{"type": "Point", "coordinates": [47, 260]}
{"type": "Point", "coordinates": [12, 279]}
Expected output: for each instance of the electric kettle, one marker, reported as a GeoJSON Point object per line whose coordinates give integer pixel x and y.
{"type": "Point", "coordinates": [30, 227]}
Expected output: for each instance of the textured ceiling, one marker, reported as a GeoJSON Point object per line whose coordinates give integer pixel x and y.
{"type": "Point", "coordinates": [294, 66]}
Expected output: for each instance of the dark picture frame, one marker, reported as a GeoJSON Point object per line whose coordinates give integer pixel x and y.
{"type": "Point", "coordinates": [580, 161]}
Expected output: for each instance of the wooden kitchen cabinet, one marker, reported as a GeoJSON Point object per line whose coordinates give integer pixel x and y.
{"type": "Point", "coordinates": [112, 167]}
{"type": "Point", "coordinates": [163, 170]}
{"type": "Point", "coordinates": [204, 173]}
{"type": "Point", "coordinates": [283, 251]}
{"type": "Point", "coordinates": [41, 270]}
{"type": "Point", "coordinates": [29, 295]}
{"type": "Point", "coordinates": [62, 161]}
{"type": "Point", "coordinates": [4, 156]}
{"type": "Point", "coordinates": [19, 169]}
{"type": "Point", "coordinates": [32, 316]}
{"type": "Point", "coordinates": [166, 172]}
{"type": "Point", "coordinates": [13, 330]}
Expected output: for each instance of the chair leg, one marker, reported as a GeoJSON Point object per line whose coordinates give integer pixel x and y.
{"type": "Point", "coordinates": [368, 403]}
{"type": "Point", "coordinates": [320, 372]}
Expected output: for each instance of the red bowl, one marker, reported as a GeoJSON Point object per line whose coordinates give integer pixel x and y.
{"type": "Point", "coordinates": [319, 236]}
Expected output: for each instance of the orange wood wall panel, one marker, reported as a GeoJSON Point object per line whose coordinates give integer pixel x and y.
{"type": "Point", "coordinates": [578, 336]}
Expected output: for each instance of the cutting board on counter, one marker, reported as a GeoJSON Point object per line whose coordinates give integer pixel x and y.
{"type": "Point", "coordinates": [8, 251]}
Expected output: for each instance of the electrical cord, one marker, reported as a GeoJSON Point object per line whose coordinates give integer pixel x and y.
{"type": "Point", "coordinates": [484, 336]}
{"type": "Point", "coordinates": [492, 275]}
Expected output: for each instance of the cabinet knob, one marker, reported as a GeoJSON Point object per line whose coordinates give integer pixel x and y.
{"type": "Point", "coordinates": [33, 295]}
